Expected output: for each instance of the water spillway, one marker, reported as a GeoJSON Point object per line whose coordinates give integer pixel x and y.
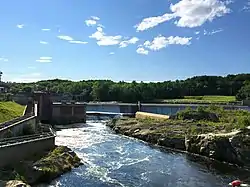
{"type": "Point", "coordinates": [113, 160]}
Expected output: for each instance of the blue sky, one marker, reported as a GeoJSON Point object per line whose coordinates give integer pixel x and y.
{"type": "Point", "coordinates": [143, 40]}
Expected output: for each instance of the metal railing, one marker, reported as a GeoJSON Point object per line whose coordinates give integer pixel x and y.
{"type": "Point", "coordinates": [6, 141]}
{"type": "Point", "coordinates": [13, 121]}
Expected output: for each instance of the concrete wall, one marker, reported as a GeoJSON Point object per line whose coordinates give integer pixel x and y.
{"type": "Point", "coordinates": [171, 109]}
{"type": "Point", "coordinates": [246, 102]}
{"type": "Point", "coordinates": [68, 113]}
{"type": "Point", "coordinates": [22, 98]}
{"type": "Point", "coordinates": [167, 109]}
{"type": "Point", "coordinates": [103, 108]}
{"type": "Point", "coordinates": [29, 109]}
{"type": "Point", "coordinates": [10, 154]}
{"type": "Point", "coordinates": [18, 126]}
{"type": "Point", "coordinates": [145, 115]}
{"type": "Point", "coordinates": [113, 107]}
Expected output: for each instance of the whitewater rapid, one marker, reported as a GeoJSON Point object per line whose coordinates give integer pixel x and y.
{"type": "Point", "coordinates": [113, 160]}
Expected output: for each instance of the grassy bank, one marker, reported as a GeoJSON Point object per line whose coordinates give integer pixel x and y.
{"type": "Point", "coordinates": [42, 168]}
{"type": "Point", "coordinates": [201, 99]}
{"type": "Point", "coordinates": [10, 110]}
{"type": "Point", "coordinates": [203, 120]}
{"type": "Point", "coordinates": [212, 132]}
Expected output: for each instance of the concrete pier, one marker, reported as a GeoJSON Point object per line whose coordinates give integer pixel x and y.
{"type": "Point", "coordinates": [66, 113]}
{"type": "Point", "coordinates": [58, 113]}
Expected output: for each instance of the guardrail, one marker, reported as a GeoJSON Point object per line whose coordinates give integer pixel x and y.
{"type": "Point", "coordinates": [20, 139]}
{"type": "Point", "coordinates": [15, 149]}
{"type": "Point", "coordinates": [13, 121]}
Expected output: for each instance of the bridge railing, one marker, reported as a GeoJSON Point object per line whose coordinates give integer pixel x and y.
{"type": "Point", "coordinates": [7, 141]}
{"type": "Point", "coordinates": [13, 121]}
{"type": "Point", "coordinates": [30, 145]}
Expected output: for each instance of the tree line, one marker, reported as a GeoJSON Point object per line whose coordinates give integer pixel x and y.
{"type": "Point", "coordinates": [107, 90]}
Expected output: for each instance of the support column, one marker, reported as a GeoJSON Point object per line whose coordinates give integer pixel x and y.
{"type": "Point", "coordinates": [72, 111]}
{"type": "Point", "coordinates": [139, 106]}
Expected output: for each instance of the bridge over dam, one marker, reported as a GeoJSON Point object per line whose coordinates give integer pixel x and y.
{"type": "Point", "coordinates": [65, 112]}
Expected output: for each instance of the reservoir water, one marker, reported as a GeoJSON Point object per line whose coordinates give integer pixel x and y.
{"type": "Point", "coordinates": [113, 160]}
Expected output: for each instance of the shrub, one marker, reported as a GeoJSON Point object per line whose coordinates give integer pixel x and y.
{"type": "Point", "coordinates": [244, 121]}
{"type": "Point", "coordinates": [201, 109]}
{"type": "Point", "coordinates": [199, 114]}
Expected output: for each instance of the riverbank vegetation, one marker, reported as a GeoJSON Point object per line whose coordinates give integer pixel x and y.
{"type": "Point", "coordinates": [10, 110]}
{"type": "Point", "coordinates": [213, 119]}
{"type": "Point", "coordinates": [106, 90]}
{"type": "Point", "coordinates": [244, 92]}
{"type": "Point", "coordinates": [42, 168]}
{"type": "Point", "coordinates": [207, 99]}
{"type": "Point", "coordinates": [213, 132]}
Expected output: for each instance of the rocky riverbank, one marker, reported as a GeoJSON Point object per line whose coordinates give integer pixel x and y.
{"type": "Point", "coordinates": [214, 139]}
{"type": "Point", "coordinates": [43, 169]}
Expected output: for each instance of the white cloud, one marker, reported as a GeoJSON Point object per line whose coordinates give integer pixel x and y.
{"type": "Point", "coordinates": [160, 42]}
{"type": "Point", "coordinates": [142, 51]}
{"type": "Point", "coordinates": [197, 32]}
{"type": "Point", "coordinates": [43, 42]}
{"type": "Point", "coordinates": [45, 29]}
{"type": "Point", "coordinates": [194, 13]}
{"type": "Point", "coordinates": [77, 42]}
{"type": "Point", "coordinates": [103, 39]}
{"type": "Point", "coordinates": [100, 25]}
{"type": "Point", "coordinates": [64, 37]}
{"type": "Point", "coordinates": [4, 59]}
{"type": "Point", "coordinates": [90, 22]}
{"type": "Point", "coordinates": [111, 53]}
{"type": "Point", "coordinates": [133, 40]}
{"type": "Point", "coordinates": [109, 40]}
{"type": "Point", "coordinates": [150, 22]}
{"type": "Point", "coordinates": [106, 40]}
{"type": "Point", "coordinates": [45, 59]}
{"type": "Point", "coordinates": [95, 18]}
{"type": "Point", "coordinates": [246, 6]}
{"type": "Point", "coordinates": [20, 26]}
{"type": "Point", "coordinates": [189, 13]}
{"type": "Point", "coordinates": [212, 32]}
{"type": "Point", "coordinates": [71, 40]}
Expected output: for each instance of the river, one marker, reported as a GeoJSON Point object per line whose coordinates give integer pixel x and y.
{"type": "Point", "coordinates": [113, 160]}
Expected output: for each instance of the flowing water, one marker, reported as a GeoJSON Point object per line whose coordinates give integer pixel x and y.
{"type": "Point", "coordinates": [114, 160]}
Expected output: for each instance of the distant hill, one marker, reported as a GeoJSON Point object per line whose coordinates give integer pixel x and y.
{"type": "Point", "coordinates": [107, 90]}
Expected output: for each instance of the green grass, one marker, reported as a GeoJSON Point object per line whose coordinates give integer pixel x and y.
{"type": "Point", "coordinates": [10, 110]}
{"type": "Point", "coordinates": [190, 122]}
{"type": "Point", "coordinates": [202, 99]}
{"type": "Point", "coordinates": [212, 98]}
{"type": "Point", "coordinates": [228, 120]}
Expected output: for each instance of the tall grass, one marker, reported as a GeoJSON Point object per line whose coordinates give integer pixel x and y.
{"type": "Point", "coordinates": [217, 98]}
{"type": "Point", "coordinates": [202, 100]}
{"type": "Point", "coordinates": [10, 110]}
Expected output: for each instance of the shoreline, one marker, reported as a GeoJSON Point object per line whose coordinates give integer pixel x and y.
{"type": "Point", "coordinates": [172, 142]}
{"type": "Point", "coordinates": [41, 169]}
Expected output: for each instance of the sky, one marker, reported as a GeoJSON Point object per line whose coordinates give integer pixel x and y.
{"type": "Point", "coordinates": [123, 40]}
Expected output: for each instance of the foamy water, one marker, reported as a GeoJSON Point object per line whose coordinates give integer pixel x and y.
{"type": "Point", "coordinates": [114, 160]}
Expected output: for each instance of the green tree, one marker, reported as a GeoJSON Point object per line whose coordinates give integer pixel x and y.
{"type": "Point", "coordinates": [244, 92]}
